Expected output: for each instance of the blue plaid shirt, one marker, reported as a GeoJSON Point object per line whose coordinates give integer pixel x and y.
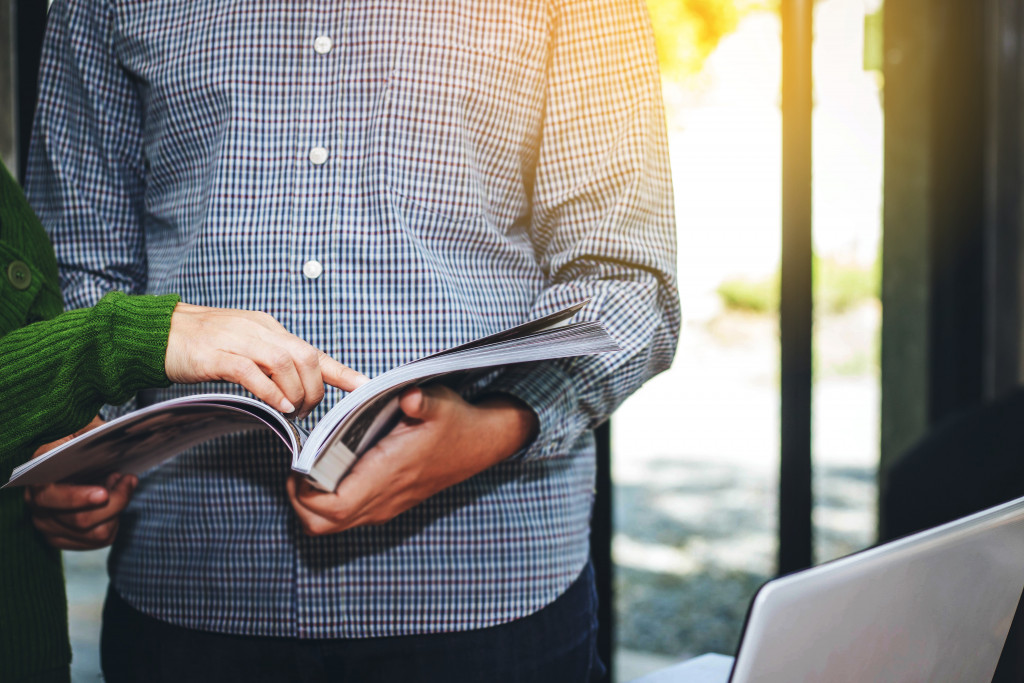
{"type": "Point", "coordinates": [387, 179]}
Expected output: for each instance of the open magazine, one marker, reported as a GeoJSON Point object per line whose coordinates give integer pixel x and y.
{"type": "Point", "coordinates": [140, 440]}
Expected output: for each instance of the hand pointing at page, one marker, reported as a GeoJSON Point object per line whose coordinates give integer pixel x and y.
{"type": "Point", "coordinates": [254, 350]}
{"type": "Point", "coordinates": [204, 344]}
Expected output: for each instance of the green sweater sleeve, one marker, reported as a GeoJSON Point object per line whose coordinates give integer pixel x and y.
{"type": "Point", "coordinates": [56, 374]}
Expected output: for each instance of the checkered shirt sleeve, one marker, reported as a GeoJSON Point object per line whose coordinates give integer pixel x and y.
{"type": "Point", "coordinates": [92, 162]}
{"type": "Point", "coordinates": [602, 222]}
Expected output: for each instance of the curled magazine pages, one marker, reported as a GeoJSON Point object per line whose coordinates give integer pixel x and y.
{"type": "Point", "coordinates": [143, 439]}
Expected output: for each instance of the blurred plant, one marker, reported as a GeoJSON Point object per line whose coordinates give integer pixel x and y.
{"type": "Point", "coordinates": [838, 287]}
{"type": "Point", "coordinates": [842, 286]}
{"type": "Point", "coordinates": [748, 294]}
{"type": "Point", "coordinates": [874, 40]}
{"type": "Point", "coordinates": [686, 32]}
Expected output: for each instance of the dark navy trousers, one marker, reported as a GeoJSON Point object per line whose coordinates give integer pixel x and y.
{"type": "Point", "coordinates": [556, 644]}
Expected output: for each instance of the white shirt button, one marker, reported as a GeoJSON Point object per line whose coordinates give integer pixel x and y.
{"type": "Point", "coordinates": [318, 155]}
{"type": "Point", "coordinates": [323, 44]}
{"type": "Point", "coordinates": [312, 269]}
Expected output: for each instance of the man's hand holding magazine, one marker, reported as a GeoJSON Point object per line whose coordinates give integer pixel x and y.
{"type": "Point", "coordinates": [406, 467]}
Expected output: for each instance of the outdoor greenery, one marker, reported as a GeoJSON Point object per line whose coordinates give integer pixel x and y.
{"type": "Point", "coordinates": [759, 295]}
{"type": "Point", "coordinates": [838, 287]}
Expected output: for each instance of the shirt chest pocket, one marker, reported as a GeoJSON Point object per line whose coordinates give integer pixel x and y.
{"type": "Point", "coordinates": [460, 125]}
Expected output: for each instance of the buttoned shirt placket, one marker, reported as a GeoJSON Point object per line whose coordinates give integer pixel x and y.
{"type": "Point", "coordinates": [315, 194]}
{"type": "Point", "coordinates": [317, 225]}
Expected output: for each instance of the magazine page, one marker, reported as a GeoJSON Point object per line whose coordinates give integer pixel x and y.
{"type": "Point", "coordinates": [361, 418]}
{"type": "Point", "coordinates": [143, 439]}
{"type": "Point", "coordinates": [540, 324]}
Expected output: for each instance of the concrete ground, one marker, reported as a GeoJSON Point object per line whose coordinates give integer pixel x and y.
{"type": "Point", "coordinates": [86, 575]}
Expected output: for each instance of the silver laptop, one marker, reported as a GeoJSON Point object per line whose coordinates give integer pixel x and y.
{"type": "Point", "coordinates": [934, 607]}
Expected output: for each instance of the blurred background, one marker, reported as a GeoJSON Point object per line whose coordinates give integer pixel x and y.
{"type": "Point", "coordinates": [695, 453]}
{"type": "Point", "coordinates": [912, 120]}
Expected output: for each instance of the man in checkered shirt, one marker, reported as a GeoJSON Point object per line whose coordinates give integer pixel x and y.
{"type": "Point", "coordinates": [387, 179]}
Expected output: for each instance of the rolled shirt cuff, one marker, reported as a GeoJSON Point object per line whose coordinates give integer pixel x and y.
{"type": "Point", "coordinates": [548, 390]}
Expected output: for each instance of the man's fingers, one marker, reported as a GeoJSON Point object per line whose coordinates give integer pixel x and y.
{"type": "Point", "coordinates": [321, 512]}
{"type": "Point", "coordinates": [74, 517]}
{"type": "Point", "coordinates": [254, 350]}
{"type": "Point", "coordinates": [312, 523]}
{"type": "Point", "coordinates": [122, 492]}
{"type": "Point", "coordinates": [46, 448]}
{"type": "Point", "coordinates": [307, 364]}
{"type": "Point", "coordinates": [262, 319]}
{"type": "Point", "coordinates": [69, 543]}
{"type": "Point", "coordinates": [83, 521]}
{"type": "Point", "coordinates": [340, 376]}
{"type": "Point", "coordinates": [66, 497]}
{"type": "Point", "coordinates": [307, 496]}
{"type": "Point", "coordinates": [423, 403]}
{"type": "Point", "coordinates": [277, 363]}
{"type": "Point", "coordinates": [411, 403]}
{"type": "Point", "coordinates": [367, 481]}
{"type": "Point", "coordinates": [291, 364]}
{"type": "Point", "coordinates": [244, 372]}
{"type": "Point", "coordinates": [78, 527]}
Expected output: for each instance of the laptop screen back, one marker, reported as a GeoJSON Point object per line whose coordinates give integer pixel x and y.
{"type": "Point", "coordinates": [935, 606]}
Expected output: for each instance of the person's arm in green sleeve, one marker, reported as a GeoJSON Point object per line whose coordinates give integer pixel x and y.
{"type": "Point", "coordinates": [56, 374]}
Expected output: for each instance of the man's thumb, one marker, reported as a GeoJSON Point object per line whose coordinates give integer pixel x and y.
{"type": "Point", "coordinates": [415, 403]}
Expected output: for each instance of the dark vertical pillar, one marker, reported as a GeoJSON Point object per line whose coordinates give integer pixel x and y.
{"type": "Point", "coordinates": [796, 299]}
{"type": "Point", "coordinates": [30, 23]}
{"type": "Point", "coordinates": [958, 238]}
{"type": "Point", "coordinates": [1004, 211]}
{"type": "Point", "coordinates": [906, 240]}
{"type": "Point", "coordinates": [953, 276]}
{"type": "Point", "coordinates": [601, 551]}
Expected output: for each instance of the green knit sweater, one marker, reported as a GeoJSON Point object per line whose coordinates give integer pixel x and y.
{"type": "Point", "coordinates": [56, 371]}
